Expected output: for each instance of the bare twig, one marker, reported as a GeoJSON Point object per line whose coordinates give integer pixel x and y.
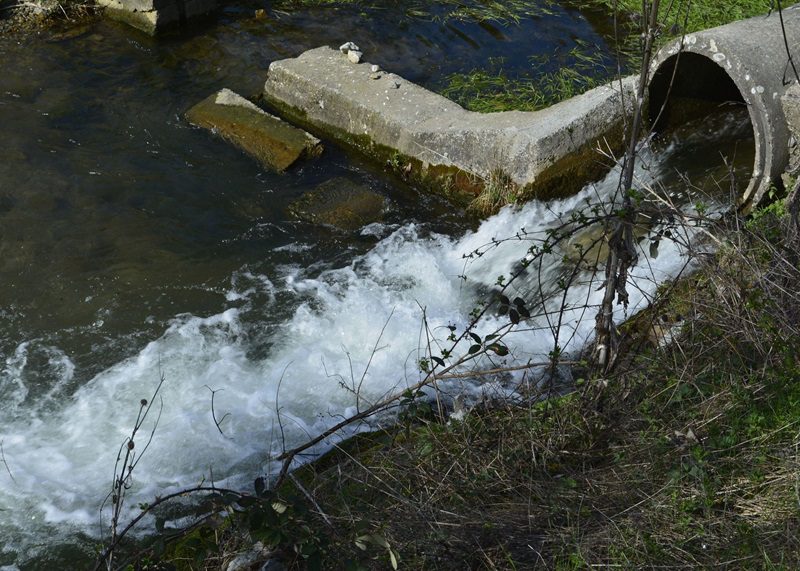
{"type": "Point", "coordinates": [5, 463]}
{"type": "Point", "coordinates": [786, 43]}
{"type": "Point", "coordinates": [622, 254]}
{"type": "Point", "coordinates": [123, 468]}
{"type": "Point", "coordinates": [499, 370]}
{"type": "Point", "coordinates": [213, 412]}
{"type": "Point", "coordinates": [105, 557]}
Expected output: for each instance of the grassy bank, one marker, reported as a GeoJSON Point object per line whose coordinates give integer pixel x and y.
{"type": "Point", "coordinates": [26, 18]}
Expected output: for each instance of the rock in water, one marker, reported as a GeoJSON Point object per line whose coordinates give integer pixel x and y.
{"type": "Point", "coordinates": [347, 46]}
{"type": "Point", "coordinates": [275, 143]}
{"type": "Point", "coordinates": [341, 203]}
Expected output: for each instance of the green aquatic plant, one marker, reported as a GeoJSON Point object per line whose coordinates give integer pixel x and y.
{"type": "Point", "coordinates": [550, 79]}
{"type": "Point", "coordinates": [480, 11]}
{"type": "Point", "coordinates": [678, 17]}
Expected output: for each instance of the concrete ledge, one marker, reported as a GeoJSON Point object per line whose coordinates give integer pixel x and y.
{"type": "Point", "coordinates": [276, 144]}
{"type": "Point", "coordinates": [152, 16]}
{"type": "Point", "coordinates": [322, 88]}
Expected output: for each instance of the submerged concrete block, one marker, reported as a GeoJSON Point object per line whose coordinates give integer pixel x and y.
{"type": "Point", "coordinates": [151, 16]}
{"type": "Point", "coordinates": [323, 88]}
{"type": "Point", "coordinates": [276, 144]}
{"type": "Point", "coordinates": [341, 203]}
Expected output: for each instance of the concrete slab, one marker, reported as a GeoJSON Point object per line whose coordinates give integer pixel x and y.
{"type": "Point", "coordinates": [276, 144]}
{"type": "Point", "coordinates": [152, 16]}
{"type": "Point", "coordinates": [541, 152]}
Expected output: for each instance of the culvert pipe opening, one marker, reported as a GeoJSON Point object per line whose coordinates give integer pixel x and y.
{"type": "Point", "coordinates": [738, 69]}
{"type": "Point", "coordinates": [691, 98]}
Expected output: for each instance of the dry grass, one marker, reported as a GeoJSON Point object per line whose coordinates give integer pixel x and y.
{"type": "Point", "coordinates": [20, 17]}
{"type": "Point", "coordinates": [498, 191]}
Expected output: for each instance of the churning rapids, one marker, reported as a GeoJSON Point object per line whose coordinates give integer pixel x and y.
{"type": "Point", "coordinates": [289, 334]}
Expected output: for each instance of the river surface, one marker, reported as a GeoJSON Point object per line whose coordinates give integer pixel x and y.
{"type": "Point", "coordinates": [133, 246]}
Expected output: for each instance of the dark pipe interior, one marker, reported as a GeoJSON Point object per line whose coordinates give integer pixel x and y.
{"type": "Point", "coordinates": [699, 86]}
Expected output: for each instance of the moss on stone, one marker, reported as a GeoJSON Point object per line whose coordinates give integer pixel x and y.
{"type": "Point", "coordinates": [341, 203]}
{"type": "Point", "coordinates": [276, 144]}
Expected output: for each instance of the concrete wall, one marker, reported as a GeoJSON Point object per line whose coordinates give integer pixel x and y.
{"type": "Point", "coordinates": [151, 16]}
{"type": "Point", "coordinates": [326, 91]}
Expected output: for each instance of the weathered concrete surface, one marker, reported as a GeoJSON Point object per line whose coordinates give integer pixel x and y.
{"type": "Point", "coordinates": [151, 16]}
{"type": "Point", "coordinates": [322, 88]}
{"type": "Point", "coordinates": [743, 61]}
{"type": "Point", "coordinates": [341, 203]}
{"type": "Point", "coordinates": [790, 101]}
{"type": "Point", "coordinates": [276, 144]}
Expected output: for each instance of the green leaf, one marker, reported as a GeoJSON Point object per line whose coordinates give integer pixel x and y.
{"type": "Point", "coordinates": [474, 349]}
{"type": "Point", "coordinates": [393, 558]}
{"type": "Point", "coordinates": [475, 337]}
{"type": "Point", "coordinates": [498, 349]}
{"type": "Point", "coordinates": [513, 315]}
{"type": "Point", "coordinates": [439, 361]}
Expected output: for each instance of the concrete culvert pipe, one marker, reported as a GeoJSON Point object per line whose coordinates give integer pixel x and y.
{"type": "Point", "coordinates": [744, 62]}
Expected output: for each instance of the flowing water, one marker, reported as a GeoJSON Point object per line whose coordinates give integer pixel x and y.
{"type": "Point", "coordinates": [133, 246]}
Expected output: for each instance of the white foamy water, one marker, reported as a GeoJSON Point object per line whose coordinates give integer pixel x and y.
{"type": "Point", "coordinates": [60, 458]}
{"type": "Point", "coordinates": [359, 326]}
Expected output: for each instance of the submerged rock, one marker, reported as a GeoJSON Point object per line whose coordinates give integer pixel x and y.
{"type": "Point", "coordinates": [275, 143]}
{"type": "Point", "coordinates": [589, 246]}
{"type": "Point", "coordinates": [339, 202]}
